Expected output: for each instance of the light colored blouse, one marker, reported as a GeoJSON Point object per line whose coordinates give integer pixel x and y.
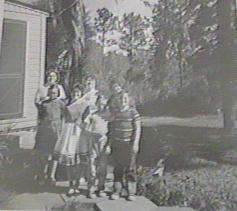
{"type": "Point", "coordinates": [42, 93]}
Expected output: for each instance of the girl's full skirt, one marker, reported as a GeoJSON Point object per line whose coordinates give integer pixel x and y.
{"type": "Point", "coordinates": [65, 149]}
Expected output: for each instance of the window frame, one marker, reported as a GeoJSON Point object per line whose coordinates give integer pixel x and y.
{"type": "Point", "coordinates": [21, 76]}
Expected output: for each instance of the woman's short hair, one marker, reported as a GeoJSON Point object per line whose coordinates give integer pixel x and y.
{"type": "Point", "coordinates": [77, 86]}
{"type": "Point", "coordinates": [53, 70]}
{"type": "Point", "coordinates": [113, 82]}
{"type": "Point", "coordinates": [92, 77]}
{"type": "Point", "coordinates": [130, 98]}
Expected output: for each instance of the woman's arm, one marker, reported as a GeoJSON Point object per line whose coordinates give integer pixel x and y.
{"type": "Point", "coordinates": [41, 95]}
{"type": "Point", "coordinates": [62, 95]}
{"type": "Point", "coordinates": [38, 98]}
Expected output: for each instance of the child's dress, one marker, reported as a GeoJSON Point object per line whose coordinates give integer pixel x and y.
{"type": "Point", "coordinates": [90, 147]}
{"type": "Point", "coordinates": [65, 149]}
{"type": "Point", "coordinates": [50, 125]}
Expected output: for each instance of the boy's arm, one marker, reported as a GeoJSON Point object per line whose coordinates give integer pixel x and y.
{"type": "Point", "coordinates": [137, 132]}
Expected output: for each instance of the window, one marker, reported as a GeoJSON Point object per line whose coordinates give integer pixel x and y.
{"type": "Point", "coordinates": [12, 68]}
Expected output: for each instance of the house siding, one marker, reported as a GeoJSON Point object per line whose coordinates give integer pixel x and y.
{"type": "Point", "coordinates": [35, 61]}
{"type": "Point", "coordinates": [1, 19]}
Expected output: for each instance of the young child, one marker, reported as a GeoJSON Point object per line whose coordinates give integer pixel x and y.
{"type": "Point", "coordinates": [50, 125]}
{"type": "Point", "coordinates": [101, 148]}
{"type": "Point", "coordinates": [65, 148]}
{"type": "Point", "coordinates": [91, 148]}
{"type": "Point", "coordinates": [124, 135]}
{"type": "Point", "coordinates": [112, 103]}
{"type": "Point", "coordinates": [84, 150]}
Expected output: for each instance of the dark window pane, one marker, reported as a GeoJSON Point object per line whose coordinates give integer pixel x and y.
{"type": "Point", "coordinates": [12, 68]}
{"type": "Point", "coordinates": [11, 90]}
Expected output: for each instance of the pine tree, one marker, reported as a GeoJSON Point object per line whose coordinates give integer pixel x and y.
{"type": "Point", "coordinates": [104, 25]}
{"type": "Point", "coordinates": [135, 37]}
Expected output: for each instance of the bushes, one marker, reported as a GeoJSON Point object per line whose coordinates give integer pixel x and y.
{"type": "Point", "coordinates": [211, 188]}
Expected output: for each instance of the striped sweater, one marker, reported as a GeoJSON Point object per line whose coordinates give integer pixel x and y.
{"type": "Point", "coordinates": [123, 127]}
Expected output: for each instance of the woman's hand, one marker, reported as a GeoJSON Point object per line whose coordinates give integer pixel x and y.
{"type": "Point", "coordinates": [108, 150]}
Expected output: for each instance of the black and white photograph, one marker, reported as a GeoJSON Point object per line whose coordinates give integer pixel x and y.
{"type": "Point", "coordinates": [118, 105]}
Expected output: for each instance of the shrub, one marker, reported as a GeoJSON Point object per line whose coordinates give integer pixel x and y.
{"type": "Point", "coordinates": [211, 188]}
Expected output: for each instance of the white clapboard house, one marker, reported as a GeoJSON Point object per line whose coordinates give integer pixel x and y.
{"type": "Point", "coordinates": [22, 62]}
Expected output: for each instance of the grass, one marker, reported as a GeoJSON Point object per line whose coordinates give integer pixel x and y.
{"type": "Point", "coordinates": [200, 168]}
{"type": "Point", "coordinates": [200, 164]}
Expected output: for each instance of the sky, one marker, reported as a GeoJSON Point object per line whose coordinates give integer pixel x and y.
{"type": "Point", "coordinates": [119, 8]}
{"type": "Point", "coordinates": [123, 6]}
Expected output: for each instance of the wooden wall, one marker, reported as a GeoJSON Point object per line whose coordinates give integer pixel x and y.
{"type": "Point", "coordinates": [1, 19]}
{"type": "Point", "coordinates": [35, 61]}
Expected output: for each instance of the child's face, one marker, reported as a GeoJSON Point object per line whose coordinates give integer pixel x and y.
{"type": "Point", "coordinates": [52, 77]}
{"type": "Point", "coordinates": [116, 88]}
{"type": "Point", "coordinates": [101, 104]}
{"type": "Point", "coordinates": [53, 93]}
{"type": "Point", "coordinates": [124, 103]}
{"type": "Point", "coordinates": [90, 84]}
{"type": "Point", "coordinates": [77, 93]}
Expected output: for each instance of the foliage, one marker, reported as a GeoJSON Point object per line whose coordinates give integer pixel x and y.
{"type": "Point", "coordinates": [164, 55]}
{"type": "Point", "coordinates": [95, 61]}
{"type": "Point", "coordinates": [128, 36]}
{"type": "Point", "coordinates": [68, 30]}
{"type": "Point", "coordinates": [135, 41]}
{"type": "Point", "coordinates": [211, 188]}
{"type": "Point", "coordinates": [105, 22]}
{"type": "Point", "coordinates": [171, 34]}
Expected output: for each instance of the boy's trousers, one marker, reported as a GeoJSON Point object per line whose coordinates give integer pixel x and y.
{"type": "Point", "coordinates": [101, 170]}
{"type": "Point", "coordinates": [86, 169]}
{"type": "Point", "coordinates": [124, 161]}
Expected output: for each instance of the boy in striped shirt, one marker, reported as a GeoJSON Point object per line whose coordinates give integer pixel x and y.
{"type": "Point", "coordinates": [124, 135]}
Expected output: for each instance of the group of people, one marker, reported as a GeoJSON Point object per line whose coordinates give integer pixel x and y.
{"type": "Point", "coordinates": [75, 133]}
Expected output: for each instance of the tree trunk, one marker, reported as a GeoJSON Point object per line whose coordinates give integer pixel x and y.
{"type": "Point", "coordinates": [180, 64]}
{"type": "Point", "coordinates": [227, 104]}
{"type": "Point", "coordinates": [225, 55]}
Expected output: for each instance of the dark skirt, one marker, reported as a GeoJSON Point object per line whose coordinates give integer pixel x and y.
{"type": "Point", "coordinates": [45, 139]}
